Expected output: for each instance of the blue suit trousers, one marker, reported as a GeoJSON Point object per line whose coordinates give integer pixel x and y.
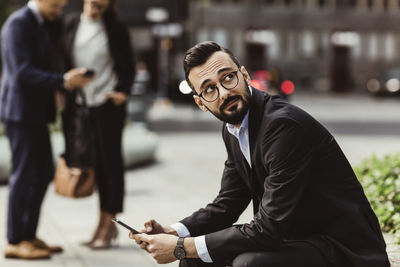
{"type": "Point", "coordinates": [32, 171]}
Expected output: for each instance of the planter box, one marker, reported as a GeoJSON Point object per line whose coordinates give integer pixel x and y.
{"type": "Point", "coordinates": [139, 146]}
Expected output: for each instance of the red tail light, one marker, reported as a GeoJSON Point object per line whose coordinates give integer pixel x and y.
{"type": "Point", "coordinates": [258, 85]}
{"type": "Point", "coordinates": [287, 87]}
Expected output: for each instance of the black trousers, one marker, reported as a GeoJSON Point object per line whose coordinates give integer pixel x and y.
{"type": "Point", "coordinates": [32, 170]}
{"type": "Point", "coordinates": [299, 254]}
{"type": "Point", "coordinates": [107, 124]}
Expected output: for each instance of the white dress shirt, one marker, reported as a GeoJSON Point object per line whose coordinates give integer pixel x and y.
{"type": "Point", "coordinates": [242, 134]}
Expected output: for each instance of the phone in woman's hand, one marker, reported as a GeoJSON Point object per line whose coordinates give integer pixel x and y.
{"type": "Point", "coordinates": [89, 73]}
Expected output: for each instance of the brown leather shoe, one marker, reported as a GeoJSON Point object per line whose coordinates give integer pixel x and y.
{"type": "Point", "coordinates": [25, 250]}
{"type": "Point", "coordinates": [38, 243]}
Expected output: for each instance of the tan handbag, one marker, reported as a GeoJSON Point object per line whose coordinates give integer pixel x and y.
{"type": "Point", "coordinates": [73, 182]}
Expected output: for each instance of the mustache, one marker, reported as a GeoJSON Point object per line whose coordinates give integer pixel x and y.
{"type": "Point", "coordinates": [228, 100]}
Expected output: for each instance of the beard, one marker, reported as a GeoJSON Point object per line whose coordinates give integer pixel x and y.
{"type": "Point", "coordinates": [236, 114]}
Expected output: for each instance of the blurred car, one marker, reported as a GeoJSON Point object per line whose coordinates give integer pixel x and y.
{"type": "Point", "coordinates": [271, 81]}
{"type": "Point", "coordinates": [387, 85]}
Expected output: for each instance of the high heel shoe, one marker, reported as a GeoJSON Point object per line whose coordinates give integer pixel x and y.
{"type": "Point", "coordinates": [107, 235]}
{"type": "Point", "coordinates": [97, 231]}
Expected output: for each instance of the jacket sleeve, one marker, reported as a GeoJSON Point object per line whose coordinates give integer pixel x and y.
{"type": "Point", "coordinates": [287, 157]}
{"type": "Point", "coordinates": [124, 59]}
{"type": "Point", "coordinates": [231, 201]}
{"type": "Point", "coordinates": [19, 39]}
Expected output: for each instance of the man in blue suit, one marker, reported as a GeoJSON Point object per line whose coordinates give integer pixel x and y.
{"type": "Point", "coordinates": [26, 107]}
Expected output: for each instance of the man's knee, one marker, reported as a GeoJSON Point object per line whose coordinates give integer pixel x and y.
{"type": "Point", "coordinates": [244, 260]}
{"type": "Point", "coordinates": [191, 263]}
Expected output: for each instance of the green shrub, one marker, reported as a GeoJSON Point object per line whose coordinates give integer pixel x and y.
{"type": "Point", "coordinates": [381, 181]}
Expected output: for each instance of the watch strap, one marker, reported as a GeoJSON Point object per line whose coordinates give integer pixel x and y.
{"type": "Point", "coordinates": [180, 242]}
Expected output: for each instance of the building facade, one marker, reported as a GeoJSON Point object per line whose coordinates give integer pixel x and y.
{"type": "Point", "coordinates": [319, 44]}
{"type": "Point", "coordinates": [311, 41]}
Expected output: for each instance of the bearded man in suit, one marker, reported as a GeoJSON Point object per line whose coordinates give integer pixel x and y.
{"type": "Point", "coordinates": [309, 208]}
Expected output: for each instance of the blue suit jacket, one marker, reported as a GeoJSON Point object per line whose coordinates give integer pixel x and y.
{"type": "Point", "coordinates": [28, 84]}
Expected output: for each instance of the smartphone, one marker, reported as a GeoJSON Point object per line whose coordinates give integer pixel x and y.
{"type": "Point", "coordinates": [125, 225]}
{"type": "Point", "coordinates": [89, 73]}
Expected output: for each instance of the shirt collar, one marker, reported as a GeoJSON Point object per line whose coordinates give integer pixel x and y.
{"type": "Point", "coordinates": [35, 10]}
{"type": "Point", "coordinates": [243, 126]}
{"type": "Point", "coordinates": [88, 20]}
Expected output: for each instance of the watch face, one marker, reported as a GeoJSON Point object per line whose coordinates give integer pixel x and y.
{"type": "Point", "coordinates": [179, 253]}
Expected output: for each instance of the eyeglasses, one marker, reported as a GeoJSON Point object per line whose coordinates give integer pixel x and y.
{"type": "Point", "coordinates": [211, 92]}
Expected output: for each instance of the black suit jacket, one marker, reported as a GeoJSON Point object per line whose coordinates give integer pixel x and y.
{"type": "Point", "coordinates": [119, 46]}
{"type": "Point", "coordinates": [28, 83]}
{"type": "Point", "coordinates": [302, 188]}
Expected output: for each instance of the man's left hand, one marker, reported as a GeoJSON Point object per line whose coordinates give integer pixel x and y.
{"type": "Point", "coordinates": [161, 246]}
{"type": "Point", "coordinates": [118, 98]}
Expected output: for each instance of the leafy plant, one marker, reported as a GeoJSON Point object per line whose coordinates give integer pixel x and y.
{"type": "Point", "coordinates": [381, 181]}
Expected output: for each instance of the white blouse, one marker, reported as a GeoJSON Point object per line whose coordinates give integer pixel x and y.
{"type": "Point", "coordinates": [90, 50]}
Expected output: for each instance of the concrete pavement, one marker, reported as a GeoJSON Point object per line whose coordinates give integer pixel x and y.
{"type": "Point", "coordinates": [186, 177]}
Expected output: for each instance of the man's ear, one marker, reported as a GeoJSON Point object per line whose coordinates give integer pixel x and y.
{"type": "Point", "coordinates": [246, 75]}
{"type": "Point", "coordinates": [199, 103]}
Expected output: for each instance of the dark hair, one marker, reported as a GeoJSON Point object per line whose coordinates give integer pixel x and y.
{"type": "Point", "coordinates": [111, 11]}
{"type": "Point", "coordinates": [199, 54]}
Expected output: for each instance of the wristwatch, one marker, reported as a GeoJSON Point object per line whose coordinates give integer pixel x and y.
{"type": "Point", "coordinates": [179, 251]}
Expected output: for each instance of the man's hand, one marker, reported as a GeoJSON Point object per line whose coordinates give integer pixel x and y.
{"type": "Point", "coordinates": [160, 246]}
{"type": "Point", "coordinates": [152, 227]}
{"type": "Point", "coordinates": [118, 98]}
{"type": "Point", "coordinates": [75, 78]}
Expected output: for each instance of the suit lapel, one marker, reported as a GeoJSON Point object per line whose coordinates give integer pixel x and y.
{"type": "Point", "coordinates": [254, 121]}
{"type": "Point", "coordinates": [255, 117]}
{"type": "Point", "coordinates": [243, 167]}
{"type": "Point", "coordinates": [30, 15]}
{"type": "Point", "coordinates": [42, 39]}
